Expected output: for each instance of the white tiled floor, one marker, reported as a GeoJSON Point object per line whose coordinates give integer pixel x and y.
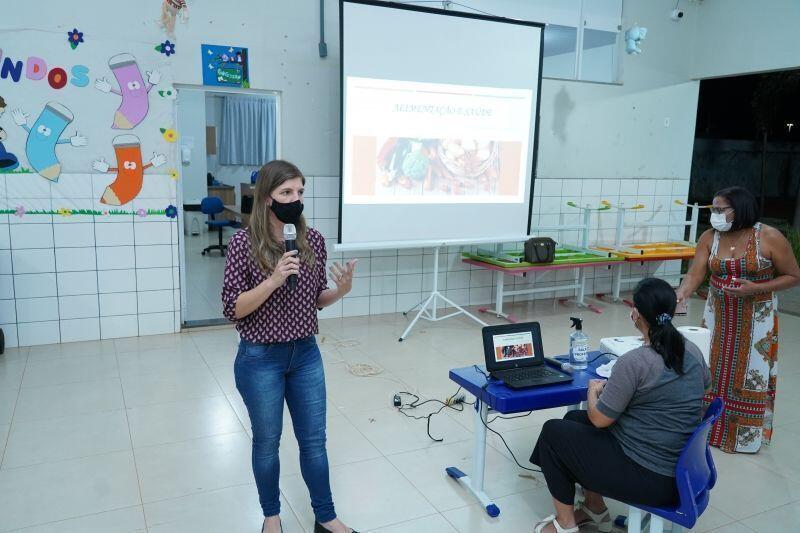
{"type": "Point", "coordinates": [149, 434]}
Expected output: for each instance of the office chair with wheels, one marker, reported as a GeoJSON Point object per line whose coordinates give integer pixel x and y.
{"type": "Point", "coordinates": [212, 206]}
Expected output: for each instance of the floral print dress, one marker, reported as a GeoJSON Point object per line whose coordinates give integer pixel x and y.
{"type": "Point", "coordinates": [744, 349]}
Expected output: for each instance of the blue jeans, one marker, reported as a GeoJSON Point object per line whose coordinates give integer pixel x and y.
{"type": "Point", "coordinates": [266, 374]}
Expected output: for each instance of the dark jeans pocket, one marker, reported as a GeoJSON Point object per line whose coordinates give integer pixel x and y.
{"type": "Point", "coordinates": [251, 350]}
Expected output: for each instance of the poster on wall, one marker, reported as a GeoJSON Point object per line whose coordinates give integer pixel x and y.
{"type": "Point", "coordinates": [225, 66]}
{"type": "Point", "coordinates": [56, 100]}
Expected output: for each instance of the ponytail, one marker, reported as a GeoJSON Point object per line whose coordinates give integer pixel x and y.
{"type": "Point", "coordinates": [656, 301]}
{"type": "Point", "coordinates": [670, 344]}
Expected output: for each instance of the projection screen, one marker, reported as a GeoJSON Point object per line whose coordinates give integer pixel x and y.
{"type": "Point", "coordinates": [439, 125]}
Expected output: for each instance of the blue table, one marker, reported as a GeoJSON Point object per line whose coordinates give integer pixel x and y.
{"type": "Point", "coordinates": [498, 397]}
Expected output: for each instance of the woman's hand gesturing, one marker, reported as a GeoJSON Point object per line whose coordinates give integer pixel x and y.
{"type": "Point", "coordinates": [343, 276]}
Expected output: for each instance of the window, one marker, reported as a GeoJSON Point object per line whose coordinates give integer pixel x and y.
{"type": "Point", "coordinates": [598, 61]}
{"type": "Point", "coordinates": [582, 38]}
{"type": "Point", "coordinates": [589, 48]}
{"type": "Point", "coordinates": [560, 51]}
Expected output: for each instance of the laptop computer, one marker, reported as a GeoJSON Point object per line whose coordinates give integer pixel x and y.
{"type": "Point", "coordinates": [514, 355]}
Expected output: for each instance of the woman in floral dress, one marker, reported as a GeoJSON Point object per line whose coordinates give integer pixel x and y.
{"type": "Point", "coordinates": [749, 262]}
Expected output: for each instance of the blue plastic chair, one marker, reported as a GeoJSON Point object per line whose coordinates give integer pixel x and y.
{"type": "Point", "coordinates": [695, 476]}
{"type": "Point", "coordinates": [211, 206]}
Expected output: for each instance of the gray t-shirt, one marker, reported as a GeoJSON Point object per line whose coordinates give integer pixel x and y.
{"type": "Point", "coordinates": [655, 409]}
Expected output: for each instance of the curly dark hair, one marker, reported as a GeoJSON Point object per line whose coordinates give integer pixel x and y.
{"type": "Point", "coordinates": [2, 102]}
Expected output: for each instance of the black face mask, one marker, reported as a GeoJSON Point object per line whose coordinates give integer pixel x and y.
{"type": "Point", "coordinates": [288, 213]}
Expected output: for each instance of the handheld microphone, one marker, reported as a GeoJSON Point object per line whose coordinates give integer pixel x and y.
{"type": "Point", "coordinates": [566, 367]}
{"type": "Point", "coordinates": [290, 241]}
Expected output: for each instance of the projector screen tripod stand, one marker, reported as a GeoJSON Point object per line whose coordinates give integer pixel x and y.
{"type": "Point", "coordinates": [428, 308]}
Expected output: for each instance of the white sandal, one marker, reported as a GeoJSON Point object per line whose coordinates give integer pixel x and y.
{"type": "Point", "coordinates": [601, 520]}
{"type": "Point", "coordinates": [552, 519]}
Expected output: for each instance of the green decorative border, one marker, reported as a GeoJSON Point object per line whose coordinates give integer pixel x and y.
{"type": "Point", "coordinates": [70, 212]}
{"type": "Point", "coordinates": [64, 212]}
{"type": "Point", "coordinates": [20, 170]}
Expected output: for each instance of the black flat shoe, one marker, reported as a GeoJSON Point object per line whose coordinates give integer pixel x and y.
{"type": "Point", "coordinates": [319, 528]}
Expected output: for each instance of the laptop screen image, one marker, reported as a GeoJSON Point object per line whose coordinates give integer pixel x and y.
{"type": "Point", "coordinates": [516, 346]}
{"type": "Point", "coordinates": [507, 346]}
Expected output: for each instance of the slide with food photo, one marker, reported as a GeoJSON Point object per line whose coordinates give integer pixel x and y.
{"type": "Point", "coordinates": [513, 346]}
{"type": "Point", "coordinates": [413, 142]}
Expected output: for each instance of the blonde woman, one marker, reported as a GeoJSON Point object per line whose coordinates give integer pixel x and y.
{"type": "Point", "coordinates": [278, 359]}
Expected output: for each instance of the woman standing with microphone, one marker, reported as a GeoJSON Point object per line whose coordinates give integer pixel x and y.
{"type": "Point", "coordinates": [273, 296]}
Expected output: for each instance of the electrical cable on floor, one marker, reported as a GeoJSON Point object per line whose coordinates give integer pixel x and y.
{"type": "Point", "coordinates": [510, 417]}
{"type": "Point", "coordinates": [488, 378]}
{"type": "Point", "coordinates": [454, 402]}
{"type": "Point", "coordinates": [509, 448]}
{"type": "Point", "coordinates": [485, 385]}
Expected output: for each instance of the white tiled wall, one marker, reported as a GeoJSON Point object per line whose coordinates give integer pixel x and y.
{"type": "Point", "coordinates": [389, 281]}
{"type": "Point", "coordinates": [79, 277]}
{"type": "Point", "coordinates": [82, 277]}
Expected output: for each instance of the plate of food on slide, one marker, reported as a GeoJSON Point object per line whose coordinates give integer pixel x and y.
{"type": "Point", "coordinates": [406, 166]}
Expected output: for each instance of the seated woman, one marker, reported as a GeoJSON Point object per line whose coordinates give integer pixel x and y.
{"type": "Point", "coordinates": [626, 445]}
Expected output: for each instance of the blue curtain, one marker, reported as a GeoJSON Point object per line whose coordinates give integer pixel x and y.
{"type": "Point", "coordinates": [247, 133]}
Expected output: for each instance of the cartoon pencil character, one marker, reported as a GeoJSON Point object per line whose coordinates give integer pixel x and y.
{"type": "Point", "coordinates": [8, 161]}
{"type": "Point", "coordinates": [132, 89]}
{"type": "Point", "coordinates": [44, 136]}
{"type": "Point", "coordinates": [129, 169]}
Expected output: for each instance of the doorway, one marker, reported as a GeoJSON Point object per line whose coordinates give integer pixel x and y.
{"type": "Point", "coordinates": [225, 137]}
{"type": "Point", "coordinates": [748, 134]}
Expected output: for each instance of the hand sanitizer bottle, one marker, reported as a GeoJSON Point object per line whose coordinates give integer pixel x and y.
{"type": "Point", "coordinates": [578, 345]}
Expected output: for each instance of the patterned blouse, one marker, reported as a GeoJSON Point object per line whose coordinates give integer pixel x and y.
{"type": "Point", "coordinates": [287, 315]}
